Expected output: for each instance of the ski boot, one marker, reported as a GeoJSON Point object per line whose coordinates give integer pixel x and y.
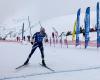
{"type": "Point", "coordinates": [26, 62]}
{"type": "Point", "coordinates": [43, 63]}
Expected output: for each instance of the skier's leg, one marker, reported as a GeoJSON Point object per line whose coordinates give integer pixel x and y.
{"type": "Point", "coordinates": [32, 51]}
{"type": "Point", "coordinates": [42, 54]}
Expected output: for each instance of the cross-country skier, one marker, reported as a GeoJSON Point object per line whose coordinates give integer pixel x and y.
{"type": "Point", "coordinates": [37, 41]}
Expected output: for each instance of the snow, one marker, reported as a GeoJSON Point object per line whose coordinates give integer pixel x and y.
{"type": "Point", "coordinates": [73, 63]}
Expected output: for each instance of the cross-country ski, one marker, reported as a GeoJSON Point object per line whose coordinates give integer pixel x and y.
{"type": "Point", "coordinates": [47, 67]}
{"type": "Point", "coordinates": [21, 66]}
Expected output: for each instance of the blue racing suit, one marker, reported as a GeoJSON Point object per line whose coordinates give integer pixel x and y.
{"type": "Point", "coordinates": [38, 37]}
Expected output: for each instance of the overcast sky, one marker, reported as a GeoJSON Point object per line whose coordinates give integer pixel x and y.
{"type": "Point", "coordinates": [42, 9]}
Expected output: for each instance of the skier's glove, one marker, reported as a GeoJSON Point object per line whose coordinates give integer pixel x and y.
{"type": "Point", "coordinates": [32, 43]}
{"type": "Point", "coordinates": [46, 40]}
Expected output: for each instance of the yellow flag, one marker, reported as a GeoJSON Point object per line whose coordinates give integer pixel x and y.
{"type": "Point", "coordinates": [74, 30]}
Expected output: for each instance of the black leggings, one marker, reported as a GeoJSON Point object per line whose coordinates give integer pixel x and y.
{"type": "Point", "coordinates": [40, 45]}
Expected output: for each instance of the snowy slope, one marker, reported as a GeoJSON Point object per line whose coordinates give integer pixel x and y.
{"type": "Point", "coordinates": [69, 63]}
{"type": "Point", "coordinates": [61, 24]}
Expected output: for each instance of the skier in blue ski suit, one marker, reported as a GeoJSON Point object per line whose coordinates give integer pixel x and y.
{"type": "Point", "coordinates": [37, 40]}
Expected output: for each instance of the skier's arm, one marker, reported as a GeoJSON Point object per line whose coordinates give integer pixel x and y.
{"type": "Point", "coordinates": [33, 39]}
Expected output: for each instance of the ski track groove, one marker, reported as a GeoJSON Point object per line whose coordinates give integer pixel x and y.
{"type": "Point", "coordinates": [52, 72]}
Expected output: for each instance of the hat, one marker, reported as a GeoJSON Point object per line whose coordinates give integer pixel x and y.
{"type": "Point", "coordinates": [42, 30]}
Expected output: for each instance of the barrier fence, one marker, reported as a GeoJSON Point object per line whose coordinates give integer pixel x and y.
{"type": "Point", "coordinates": [54, 42]}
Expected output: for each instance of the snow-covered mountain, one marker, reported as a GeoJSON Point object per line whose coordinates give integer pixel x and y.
{"type": "Point", "coordinates": [61, 24]}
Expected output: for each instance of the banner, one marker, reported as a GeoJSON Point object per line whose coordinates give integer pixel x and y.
{"type": "Point", "coordinates": [98, 26]}
{"type": "Point", "coordinates": [78, 28]}
{"type": "Point", "coordinates": [87, 26]}
{"type": "Point", "coordinates": [74, 30]}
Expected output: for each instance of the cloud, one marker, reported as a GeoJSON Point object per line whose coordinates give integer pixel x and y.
{"type": "Point", "coordinates": [41, 9]}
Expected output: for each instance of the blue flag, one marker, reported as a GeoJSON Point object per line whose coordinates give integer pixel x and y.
{"type": "Point", "coordinates": [78, 27]}
{"type": "Point", "coordinates": [87, 26]}
{"type": "Point", "coordinates": [98, 26]}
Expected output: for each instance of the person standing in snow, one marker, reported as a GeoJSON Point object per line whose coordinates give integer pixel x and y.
{"type": "Point", "coordinates": [37, 41]}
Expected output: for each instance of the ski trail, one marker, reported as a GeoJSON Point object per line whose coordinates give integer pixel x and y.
{"type": "Point", "coordinates": [48, 73]}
